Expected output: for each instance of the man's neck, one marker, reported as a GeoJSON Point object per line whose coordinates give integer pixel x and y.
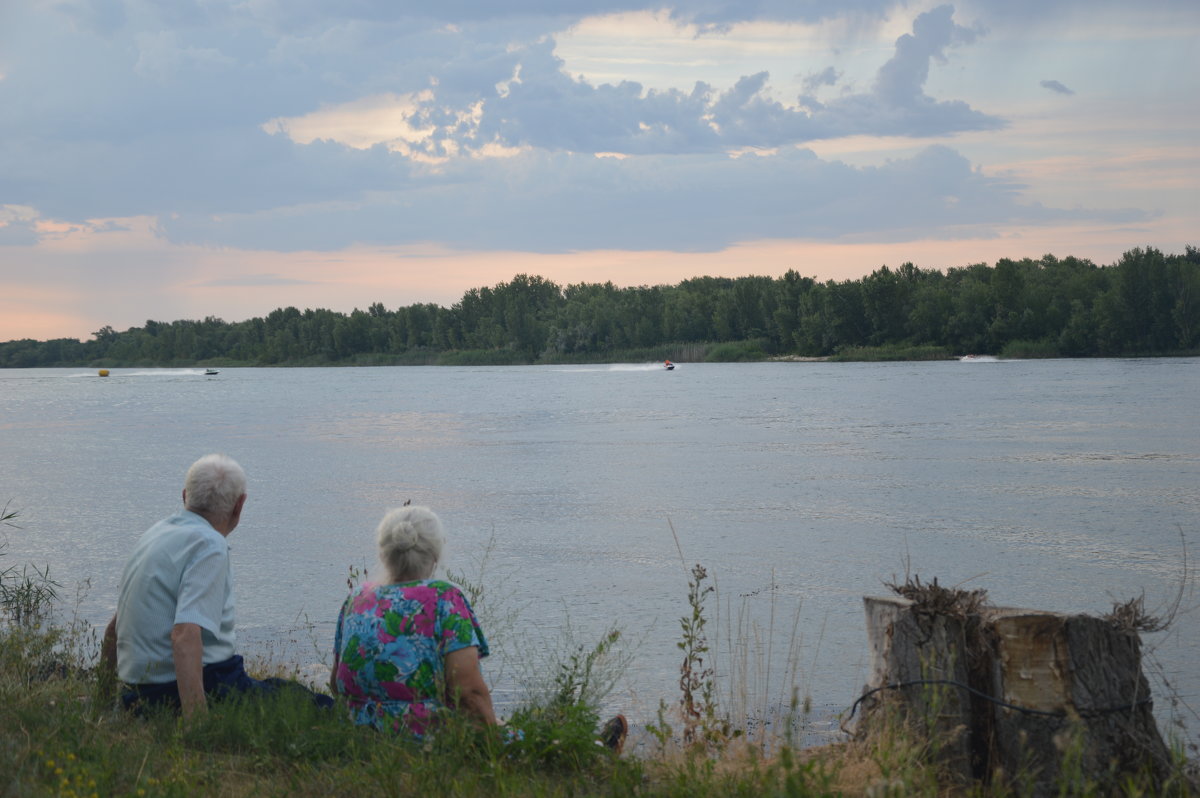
{"type": "Point", "coordinates": [220, 524]}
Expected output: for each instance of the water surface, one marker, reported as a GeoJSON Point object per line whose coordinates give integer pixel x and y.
{"type": "Point", "coordinates": [1063, 485]}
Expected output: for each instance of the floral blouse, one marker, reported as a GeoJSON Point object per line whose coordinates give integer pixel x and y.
{"type": "Point", "coordinates": [391, 641]}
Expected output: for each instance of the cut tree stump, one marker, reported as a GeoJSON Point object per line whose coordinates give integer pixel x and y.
{"type": "Point", "coordinates": [1038, 699]}
{"type": "Point", "coordinates": [909, 645]}
{"type": "Point", "coordinates": [1089, 675]}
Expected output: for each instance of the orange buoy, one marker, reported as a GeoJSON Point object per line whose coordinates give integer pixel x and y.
{"type": "Point", "coordinates": [103, 372]}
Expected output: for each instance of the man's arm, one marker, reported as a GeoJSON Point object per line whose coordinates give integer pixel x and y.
{"type": "Point", "coordinates": [188, 650]}
{"type": "Point", "coordinates": [107, 672]}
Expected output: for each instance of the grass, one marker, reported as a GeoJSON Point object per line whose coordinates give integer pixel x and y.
{"type": "Point", "coordinates": [61, 735]}
{"type": "Point", "coordinates": [58, 736]}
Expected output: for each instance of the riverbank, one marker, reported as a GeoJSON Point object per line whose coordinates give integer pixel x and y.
{"type": "Point", "coordinates": [738, 352]}
{"type": "Point", "coordinates": [60, 734]}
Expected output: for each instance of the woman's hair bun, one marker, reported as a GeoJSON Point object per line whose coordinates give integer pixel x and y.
{"type": "Point", "coordinates": [410, 542]}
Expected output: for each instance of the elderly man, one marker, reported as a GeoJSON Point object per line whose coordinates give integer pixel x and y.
{"type": "Point", "coordinates": [172, 641]}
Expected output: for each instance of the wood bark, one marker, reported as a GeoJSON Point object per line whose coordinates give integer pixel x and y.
{"type": "Point", "coordinates": [1066, 699]}
{"type": "Point", "coordinates": [1089, 674]}
{"type": "Point", "coordinates": [908, 645]}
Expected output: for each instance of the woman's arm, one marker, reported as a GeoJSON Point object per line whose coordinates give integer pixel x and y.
{"type": "Point", "coordinates": [465, 687]}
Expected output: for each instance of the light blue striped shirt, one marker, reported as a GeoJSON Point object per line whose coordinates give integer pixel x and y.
{"type": "Point", "coordinates": [179, 572]}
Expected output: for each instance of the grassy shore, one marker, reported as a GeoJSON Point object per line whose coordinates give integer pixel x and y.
{"type": "Point", "coordinates": [62, 735]}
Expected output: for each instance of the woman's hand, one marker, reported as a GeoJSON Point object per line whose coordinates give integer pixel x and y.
{"type": "Point", "coordinates": [465, 688]}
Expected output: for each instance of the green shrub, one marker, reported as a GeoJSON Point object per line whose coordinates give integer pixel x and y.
{"type": "Point", "coordinates": [737, 352]}
{"type": "Point", "coordinates": [1041, 348]}
{"type": "Point", "coordinates": [482, 357]}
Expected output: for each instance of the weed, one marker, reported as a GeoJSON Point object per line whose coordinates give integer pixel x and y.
{"type": "Point", "coordinates": [696, 681]}
{"type": "Point", "coordinates": [26, 598]}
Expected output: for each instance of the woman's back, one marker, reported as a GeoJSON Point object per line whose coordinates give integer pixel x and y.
{"type": "Point", "coordinates": [391, 643]}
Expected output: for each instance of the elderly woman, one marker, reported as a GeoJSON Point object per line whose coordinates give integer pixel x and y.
{"type": "Point", "coordinates": [408, 649]}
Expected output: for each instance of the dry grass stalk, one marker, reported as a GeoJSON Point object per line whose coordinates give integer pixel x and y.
{"type": "Point", "coordinates": [1132, 616]}
{"type": "Point", "coordinates": [933, 599]}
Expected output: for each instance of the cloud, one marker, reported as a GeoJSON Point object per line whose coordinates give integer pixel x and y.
{"type": "Point", "coordinates": [564, 202]}
{"type": "Point", "coordinates": [547, 108]}
{"type": "Point", "coordinates": [18, 233]}
{"type": "Point", "coordinates": [1055, 86]}
{"type": "Point", "coordinates": [254, 280]}
{"type": "Point", "coordinates": [826, 77]}
{"type": "Point", "coordinates": [18, 225]}
{"type": "Point", "coordinates": [302, 125]}
{"type": "Point", "coordinates": [184, 117]}
{"type": "Point", "coordinates": [714, 15]}
{"type": "Point", "coordinates": [1082, 15]}
{"type": "Point", "coordinates": [901, 78]}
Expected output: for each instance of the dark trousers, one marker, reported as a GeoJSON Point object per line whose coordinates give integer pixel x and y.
{"type": "Point", "coordinates": [226, 679]}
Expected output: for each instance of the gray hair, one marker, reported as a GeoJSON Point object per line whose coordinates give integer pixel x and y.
{"type": "Point", "coordinates": [410, 543]}
{"type": "Point", "coordinates": [214, 483]}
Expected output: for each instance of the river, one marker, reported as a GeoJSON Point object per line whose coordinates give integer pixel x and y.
{"type": "Point", "coordinates": [571, 492]}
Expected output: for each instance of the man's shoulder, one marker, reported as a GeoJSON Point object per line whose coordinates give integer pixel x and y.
{"type": "Point", "coordinates": [187, 520]}
{"type": "Point", "coordinates": [183, 529]}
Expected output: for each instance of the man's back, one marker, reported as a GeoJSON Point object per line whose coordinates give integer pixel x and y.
{"type": "Point", "coordinates": [178, 573]}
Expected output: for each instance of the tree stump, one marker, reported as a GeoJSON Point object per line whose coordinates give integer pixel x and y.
{"type": "Point", "coordinates": [1039, 700]}
{"type": "Point", "coordinates": [1086, 676]}
{"type": "Point", "coordinates": [910, 645]}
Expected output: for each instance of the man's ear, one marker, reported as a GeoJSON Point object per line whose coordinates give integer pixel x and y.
{"type": "Point", "coordinates": [236, 514]}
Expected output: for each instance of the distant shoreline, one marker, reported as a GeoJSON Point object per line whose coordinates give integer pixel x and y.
{"type": "Point", "coordinates": [858, 355]}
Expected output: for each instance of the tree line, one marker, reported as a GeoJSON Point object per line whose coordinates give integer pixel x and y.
{"type": "Point", "coordinates": [1148, 303]}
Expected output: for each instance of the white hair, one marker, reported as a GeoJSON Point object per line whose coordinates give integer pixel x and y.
{"type": "Point", "coordinates": [410, 543]}
{"type": "Point", "coordinates": [213, 484]}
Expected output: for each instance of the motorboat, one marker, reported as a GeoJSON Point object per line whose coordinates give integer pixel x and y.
{"type": "Point", "coordinates": [668, 365]}
{"type": "Point", "coordinates": [210, 372]}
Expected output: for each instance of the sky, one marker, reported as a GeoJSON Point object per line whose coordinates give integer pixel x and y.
{"type": "Point", "coordinates": [228, 157]}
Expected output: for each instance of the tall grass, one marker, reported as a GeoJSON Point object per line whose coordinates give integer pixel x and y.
{"type": "Point", "coordinates": [27, 593]}
{"type": "Point", "coordinates": [60, 734]}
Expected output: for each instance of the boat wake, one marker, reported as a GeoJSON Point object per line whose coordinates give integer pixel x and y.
{"type": "Point", "coordinates": [146, 373]}
{"type": "Point", "coordinates": [610, 367]}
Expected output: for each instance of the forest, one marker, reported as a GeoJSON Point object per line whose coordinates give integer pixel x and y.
{"type": "Point", "coordinates": [1148, 303]}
